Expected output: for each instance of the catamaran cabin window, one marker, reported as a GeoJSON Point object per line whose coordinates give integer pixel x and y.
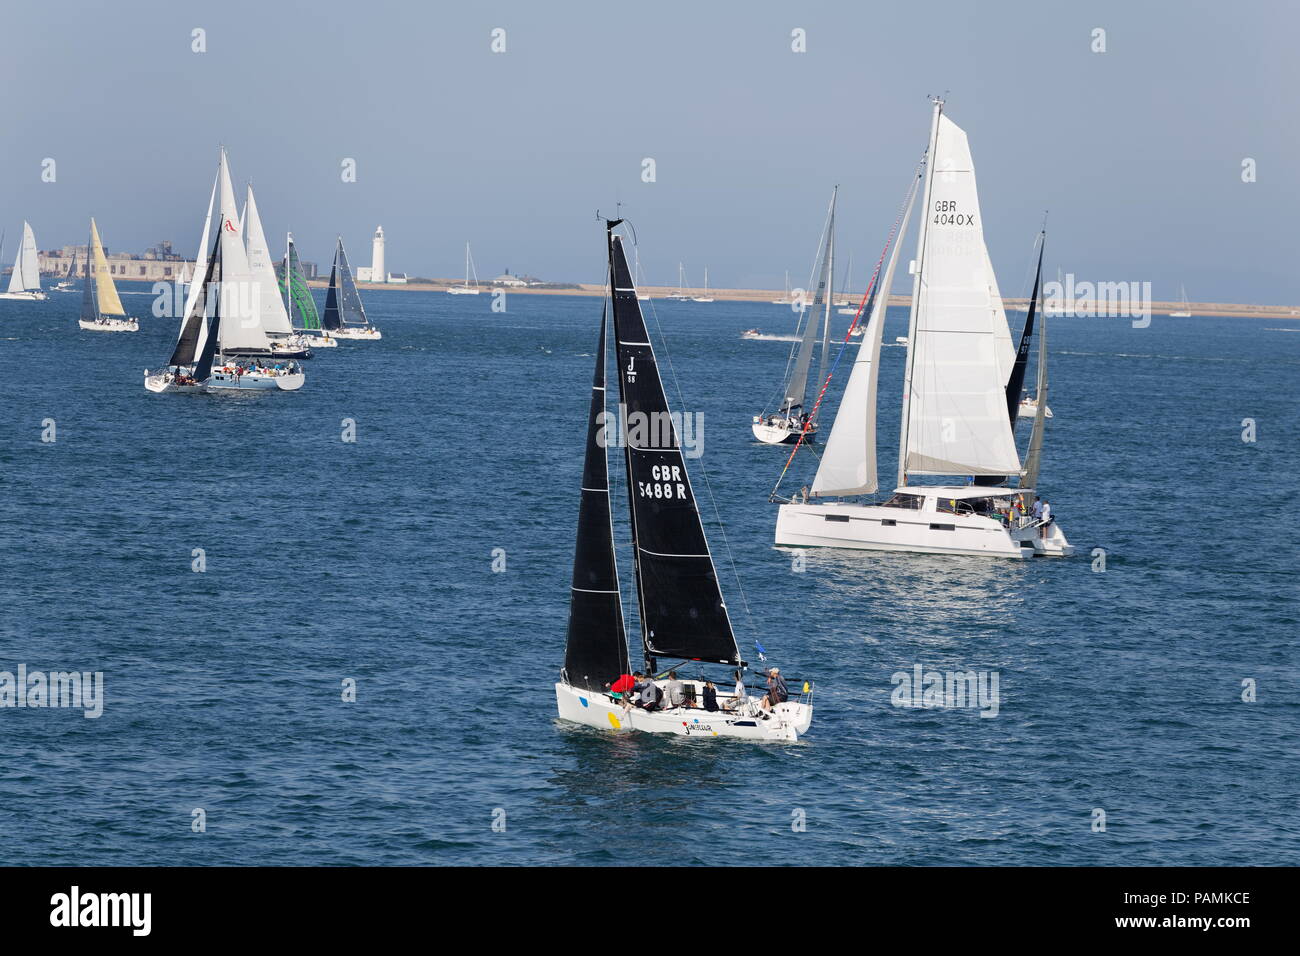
{"type": "Point", "coordinates": [904, 501]}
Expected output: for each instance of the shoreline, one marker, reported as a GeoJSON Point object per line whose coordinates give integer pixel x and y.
{"type": "Point", "coordinates": [765, 297]}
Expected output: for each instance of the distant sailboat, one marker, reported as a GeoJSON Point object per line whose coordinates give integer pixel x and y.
{"type": "Point", "coordinates": [958, 410]}
{"type": "Point", "coordinates": [230, 294]}
{"type": "Point", "coordinates": [101, 306]}
{"type": "Point", "coordinates": [66, 283]}
{"type": "Point", "coordinates": [785, 299]}
{"type": "Point", "coordinates": [282, 341]}
{"type": "Point", "coordinates": [299, 303]}
{"type": "Point", "coordinates": [845, 305]}
{"type": "Point", "coordinates": [680, 295]}
{"type": "Point", "coordinates": [345, 316]}
{"type": "Point", "coordinates": [1184, 312]}
{"type": "Point", "coordinates": [25, 280]}
{"type": "Point", "coordinates": [683, 614]}
{"type": "Point", "coordinates": [790, 420]}
{"type": "Point", "coordinates": [705, 297]}
{"type": "Point", "coordinates": [470, 287]}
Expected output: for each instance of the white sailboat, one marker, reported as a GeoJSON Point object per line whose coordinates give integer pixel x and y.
{"type": "Point", "coordinates": [101, 306]}
{"type": "Point", "coordinates": [1184, 312]}
{"type": "Point", "coordinates": [230, 293]}
{"type": "Point", "coordinates": [705, 297]}
{"type": "Point", "coordinates": [785, 299]}
{"type": "Point", "coordinates": [470, 287]}
{"type": "Point", "coordinates": [345, 316]}
{"type": "Point", "coordinates": [25, 280]}
{"type": "Point", "coordinates": [680, 295]}
{"type": "Point", "coordinates": [959, 398]}
{"type": "Point", "coordinates": [843, 305]}
{"type": "Point", "coordinates": [282, 341]}
{"type": "Point", "coordinates": [66, 284]}
{"type": "Point", "coordinates": [682, 611]}
{"type": "Point", "coordinates": [792, 421]}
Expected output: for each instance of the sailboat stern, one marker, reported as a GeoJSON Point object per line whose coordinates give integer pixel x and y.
{"type": "Point", "coordinates": [590, 709]}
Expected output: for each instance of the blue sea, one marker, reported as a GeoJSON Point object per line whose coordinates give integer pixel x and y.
{"type": "Point", "coordinates": [225, 738]}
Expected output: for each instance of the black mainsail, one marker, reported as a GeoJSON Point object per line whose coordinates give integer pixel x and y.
{"type": "Point", "coordinates": [682, 611]}
{"type": "Point", "coordinates": [595, 651]}
{"type": "Point", "coordinates": [89, 300]}
{"type": "Point", "coordinates": [1017, 380]}
{"type": "Point", "coordinates": [343, 301]}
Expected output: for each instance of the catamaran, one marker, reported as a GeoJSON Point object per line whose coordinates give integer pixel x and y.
{"type": "Point", "coordinates": [25, 280]}
{"type": "Point", "coordinates": [1185, 312]}
{"type": "Point", "coordinates": [705, 297]}
{"type": "Point", "coordinates": [682, 611]}
{"type": "Point", "coordinates": [282, 341]}
{"type": "Point", "coordinates": [468, 287]}
{"type": "Point", "coordinates": [789, 422]}
{"type": "Point", "coordinates": [298, 301]}
{"type": "Point", "coordinates": [961, 390]}
{"type": "Point", "coordinates": [345, 316]}
{"type": "Point", "coordinates": [101, 306]}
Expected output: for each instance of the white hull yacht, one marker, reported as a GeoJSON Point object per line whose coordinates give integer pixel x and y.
{"type": "Point", "coordinates": [25, 280]}
{"type": "Point", "coordinates": [101, 306]}
{"type": "Point", "coordinates": [683, 613]}
{"type": "Point", "coordinates": [961, 399]}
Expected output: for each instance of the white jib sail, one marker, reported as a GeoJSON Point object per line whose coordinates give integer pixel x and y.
{"type": "Point", "coordinates": [274, 318]}
{"type": "Point", "coordinates": [848, 466]}
{"type": "Point", "coordinates": [26, 276]}
{"type": "Point", "coordinates": [956, 414]}
{"type": "Point", "coordinates": [241, 324]}
{"type": "Point", "coordinates": [201, 260]}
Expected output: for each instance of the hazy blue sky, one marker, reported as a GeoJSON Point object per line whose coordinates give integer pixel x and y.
{"type": "Point", "coordinates": [1136, 152]}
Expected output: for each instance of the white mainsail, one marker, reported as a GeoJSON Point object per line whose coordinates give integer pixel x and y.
{"type": "Point", "coordinates": [241, 326]}
{"type": "Point", "coordinates": [26, 276]}
{"type": "Point", "coordinates": [274, 318]}
{"type": "Point", "coordinates": [848, 466]}
{"type": "Point", "coordinates": [954, 414]}
{"type": "Point", "coordinates": [201, 260]}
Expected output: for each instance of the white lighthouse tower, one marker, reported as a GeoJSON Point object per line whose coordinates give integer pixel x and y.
{"type": "Point", "coordinates": [377, 267]}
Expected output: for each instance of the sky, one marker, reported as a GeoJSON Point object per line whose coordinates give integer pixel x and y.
{"type": "Point", "coordinates": [1134, 153]}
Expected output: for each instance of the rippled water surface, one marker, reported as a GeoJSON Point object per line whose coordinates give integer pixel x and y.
{"type": "Point", "coordinates": [328, 560]}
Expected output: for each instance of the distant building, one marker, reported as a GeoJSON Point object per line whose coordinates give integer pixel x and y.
{"type": "Point", "coordinates": [159, 263]}
{"type": "Point", "coordinates": [506, 279]}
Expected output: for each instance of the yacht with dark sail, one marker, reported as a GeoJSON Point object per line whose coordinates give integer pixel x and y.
{"type": "Point", "coordinates": [190, 366]}
{"type": "Point", "coordinates": [299, 304]}
{"type": "Point", "coordinates": [790, 422]}
{"type": "Point", "coordinates": [345, 316]}
{"type": "Point", "coordinates": [683, 615]}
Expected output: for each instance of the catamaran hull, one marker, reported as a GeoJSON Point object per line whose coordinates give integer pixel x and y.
{"type": "Point", "coordinates": [781, 434]}
{"type": "Point", "coordinates": [862, 528]}
{"type": "Point", "coordinates": [109, 325]}
{"type": "Point", "coordinates": [786, 722]}
{"type": "Point", "coordinates": [362, 334]}
{"type": "Point", "coordinates": [25, 296]}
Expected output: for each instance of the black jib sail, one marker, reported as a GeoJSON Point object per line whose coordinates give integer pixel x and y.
{"type": "Point", "coordinates": [595, 651]}
{"type": "Point", "coordinates": [350, 308]}
{"type": "Point", "coordinates": [1017, 380]}
{"type": "Point", "coordinates": [682, 611]}
{"type": "Point", "coordinates": [187, 344]}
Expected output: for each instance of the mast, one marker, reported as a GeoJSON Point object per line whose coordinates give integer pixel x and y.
{"type": "Point", "coordinates": [331, 318]}
{"type": "Point", "coordinates": [89, 306]}
{"type": "Point", "coordinates": [830, 291]}
{"type": "Point", "coordinates": [683, 613]}
{"type": "Point", "coordinates": [1034, 455]}
{"type": "Point", "coordinates": [595, 651]}
{"type": "Point", "coordinates": [288, 280]}
{"type": "Point", "coordinates": [797, 390]}
{"type": "Point", "coordinates": [916, 294]}
{"type": "Point", "coordinates": [191, 344]}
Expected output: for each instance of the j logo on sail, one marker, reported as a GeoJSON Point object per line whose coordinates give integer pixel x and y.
{"type": "Point", "coordinates": [631, 369]}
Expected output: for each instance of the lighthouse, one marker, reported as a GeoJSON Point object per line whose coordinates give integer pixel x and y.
{"type": "Point", "coordinates": [377, 273]}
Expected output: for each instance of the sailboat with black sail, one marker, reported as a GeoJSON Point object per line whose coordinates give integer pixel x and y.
{"type": "Point", "coordinates": [190, 366]}
{"type": "Point", "coordinates": [345, 316]}
{"type": "Point", "coordinates": [682, 612]}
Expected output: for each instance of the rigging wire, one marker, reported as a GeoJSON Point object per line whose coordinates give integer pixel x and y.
{"type": "Point", "coordinates": [866, 295]}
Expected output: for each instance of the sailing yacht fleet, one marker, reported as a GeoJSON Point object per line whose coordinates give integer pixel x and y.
{"type": "Point", "coordinates": [962, 486]}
